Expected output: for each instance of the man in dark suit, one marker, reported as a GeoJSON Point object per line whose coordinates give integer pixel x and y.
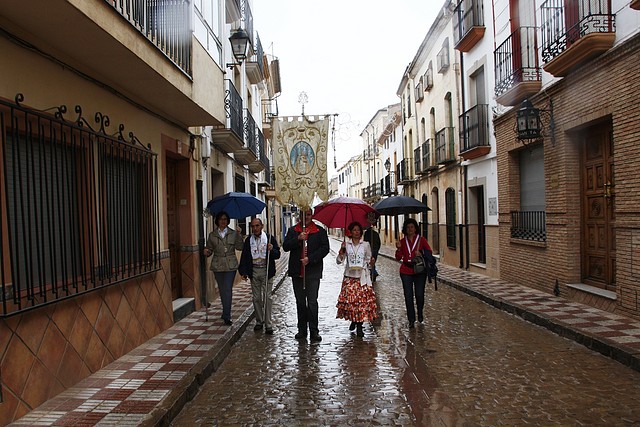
{"type": "Point", "coordinates": [308, 244]}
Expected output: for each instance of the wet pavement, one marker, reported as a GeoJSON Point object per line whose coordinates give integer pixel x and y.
{"type": "Point", "coordinates": [467, 364]}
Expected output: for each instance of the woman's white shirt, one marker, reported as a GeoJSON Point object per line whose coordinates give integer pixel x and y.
{"type": "Point", "coordinates": [357, 256]}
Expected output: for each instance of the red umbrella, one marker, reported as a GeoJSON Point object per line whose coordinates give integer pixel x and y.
{"type": "Point", "coordinates": [342, 211]}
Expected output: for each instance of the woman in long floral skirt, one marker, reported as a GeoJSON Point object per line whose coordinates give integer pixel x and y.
{"type": "Point", "coordinates": [357, 299]}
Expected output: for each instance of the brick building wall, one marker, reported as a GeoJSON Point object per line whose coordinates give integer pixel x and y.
{"type": "Point", "coordinates": [603, 90]}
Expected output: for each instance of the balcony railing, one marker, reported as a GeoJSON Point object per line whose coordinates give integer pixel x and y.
{"type": "Point", "coordinates": [388, 184]}
{"type": "Point", "coordinates": [247, 20]}
{"type": "Point", "coordinates": [468, 24]}
{"type": "Point", "coordinates": [426, 155]}
{"type": "Point", "coordinates": [403, 171]}
{"type": "Point", "coordinates": [166, 24]}
{"type": "Point", "coordinates": [255, 65]}
{"type": "Point", "coordinates": [517, 60]}
{"type": "Point", "coordinates": [445, 146]}
{"type": "Point", "coordinates": [262, 150]}
{"type": "Point", "coordinates": [564, 26]}
{"type": "Point", "coordinates": [372, 191]}
{"type": "Point", "coordinates": [474, 128]}
{"type": "Point", "coordinates": [529, 225]}
{"type": "Point", "coordinates": [442, 59]}
{"type": "Point", "coordinates": [417, 160]}
{"type": "Point", "coordinates": [250, 133]}
{"type": "Point", "coordinates": [233, 108]}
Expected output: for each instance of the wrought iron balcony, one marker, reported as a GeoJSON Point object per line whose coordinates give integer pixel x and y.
{"type": "Point", "coordinates": [445, 146]}
{"type": "Point", "coordinates": [517, 70]}
{"type": "Point", "coordinates": [230, 137]}
{"type": "Point", "coordinates": [262, 161]}
{"type": "Point", "coordinates": [427, 79]}
{"type": "Point", "coordinates": [475, 137]}
{"type": "Point", "coordinates": [417, 160]}
{"type": "Point", "coordinates": [372, 192]}
{"type": "Point", "coordinates": [529, 225]}
{"type": "Point", "coordinates": [388, 184]}
{"type": "Point", "coordinates": [442, 59]}
{"type": "Point", "coordinates": [248, 154]}
{"type": "Point", "coordinates": [403, 171]}
{"type": "Point", "coordinates": [166, 24]}
{"type": "Point", "coordinates": [571, 35]}
{"type": "Point", "coordinates": [427, 164]}
{"type": "Point", "coordinates": [468, 24]}
{"type": "Point", "coordinates": [255, 65]}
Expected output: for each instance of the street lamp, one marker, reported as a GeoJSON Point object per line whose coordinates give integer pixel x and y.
{"type": "Point", "coordinates": [239, 42]}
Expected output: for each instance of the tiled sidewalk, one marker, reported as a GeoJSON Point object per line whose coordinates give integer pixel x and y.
{"type": "Point", "coordinates": [611, 334]}
{"type": "Point", "coordinates": [149, 385]}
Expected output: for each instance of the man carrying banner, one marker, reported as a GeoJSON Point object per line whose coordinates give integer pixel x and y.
{"type": "Point", "coordinates": [300, 169]}
{"type": "Point", "coordinates": [308, 244]}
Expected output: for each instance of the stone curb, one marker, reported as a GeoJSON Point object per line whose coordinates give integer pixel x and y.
{"type": "Point", "coordinates": [188, 387]}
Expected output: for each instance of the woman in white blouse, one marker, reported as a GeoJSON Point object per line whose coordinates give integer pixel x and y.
{"type": "Point", "coordinates": [357, 299]}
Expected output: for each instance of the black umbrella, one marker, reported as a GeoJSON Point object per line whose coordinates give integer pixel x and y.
{"type": "Point", "coordinates": [396, 205]}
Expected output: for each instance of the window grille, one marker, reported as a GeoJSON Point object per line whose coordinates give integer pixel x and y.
{"type": "Point", "coordinates": [450, 202]}
{"type": "Point", "coordinates": [82, 207]}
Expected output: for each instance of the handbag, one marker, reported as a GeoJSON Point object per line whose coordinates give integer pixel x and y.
{"type": "Point", "coordinates": [418, 264]}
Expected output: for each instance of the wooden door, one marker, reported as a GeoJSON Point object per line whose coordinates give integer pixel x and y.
{"type": "Point", "coordinates": [598, 208]}
{"type": "Point", "coordinates": [173, 230]}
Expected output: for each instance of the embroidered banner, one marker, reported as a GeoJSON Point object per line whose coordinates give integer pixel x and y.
{"type": "Point", "coordinates": [300, 159]}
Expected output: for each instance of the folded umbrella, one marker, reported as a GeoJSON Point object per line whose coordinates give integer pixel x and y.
{"type": "Point", "coordinates": [237, 205]}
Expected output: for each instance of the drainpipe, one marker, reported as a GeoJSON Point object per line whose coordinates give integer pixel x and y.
{"type": "Point", "coordinates": [201, 241]}
{"type": "Point", "coordinates": [464, 243]}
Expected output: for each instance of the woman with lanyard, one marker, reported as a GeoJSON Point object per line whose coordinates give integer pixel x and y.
{"type": "Point", "coordinates": [357, 300]}
{"type": "Point", "coordinates": [222, 243]}
{"type": "Point", "coordinates": [410, 246]}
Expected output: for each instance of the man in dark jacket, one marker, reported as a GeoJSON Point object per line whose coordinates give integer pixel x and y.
{"type": "Point", "coordinates": [372, 236]}
{"type": "Point", "coordinates": [257, 249]}
{"type": "Point", "coordinates": [305, 270]}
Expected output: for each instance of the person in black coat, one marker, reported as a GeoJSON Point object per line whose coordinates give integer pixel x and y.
{"type": "Point", "coordinates": [305, 270]}
{"type": "Point", "coordinates": [257, 249]}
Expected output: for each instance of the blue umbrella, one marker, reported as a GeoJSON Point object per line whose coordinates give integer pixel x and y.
{"type": "Point", "coordinates": [237, 205]}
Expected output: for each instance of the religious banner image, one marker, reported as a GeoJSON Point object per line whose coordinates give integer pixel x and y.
{"type": "Point", "coordinates": [300, 159]}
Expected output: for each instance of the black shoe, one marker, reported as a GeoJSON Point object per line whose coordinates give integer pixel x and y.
{"type": "Point", "coordinates": [360, 332]}
{"type": "Point", "coordinates": [411, 325]}
{"type": "Point", "coordinates": [268, 330]}
{"type": "Point", "coordinates": [301, 336]}
{"type": "Point", "coordinates": [258, 327]}
{"type": "Point", "coordinates": [228, 322]}
{"type": "Point", "coordinates": [316, 338]}
{"type": "Point", "coordinates": [352, 326]}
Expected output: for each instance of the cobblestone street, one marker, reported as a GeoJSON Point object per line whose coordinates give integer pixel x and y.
{"type": "Point", "coordinates": [468, 364]}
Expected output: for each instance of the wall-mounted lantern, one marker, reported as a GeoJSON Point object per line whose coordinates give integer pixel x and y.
{"type": "Point", "coordinates": [239, 43]}
{"type": "Point", "coordinates": [530, 122]}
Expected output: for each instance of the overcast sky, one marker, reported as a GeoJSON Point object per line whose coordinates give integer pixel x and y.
{"type": "Point", "coordinates": [347, 55]}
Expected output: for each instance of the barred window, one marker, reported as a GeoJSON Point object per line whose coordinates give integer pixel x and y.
{"type": "Point", "coordinates": [450, 202]}
{"type": "Point", "coordinates": [82, 207]}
